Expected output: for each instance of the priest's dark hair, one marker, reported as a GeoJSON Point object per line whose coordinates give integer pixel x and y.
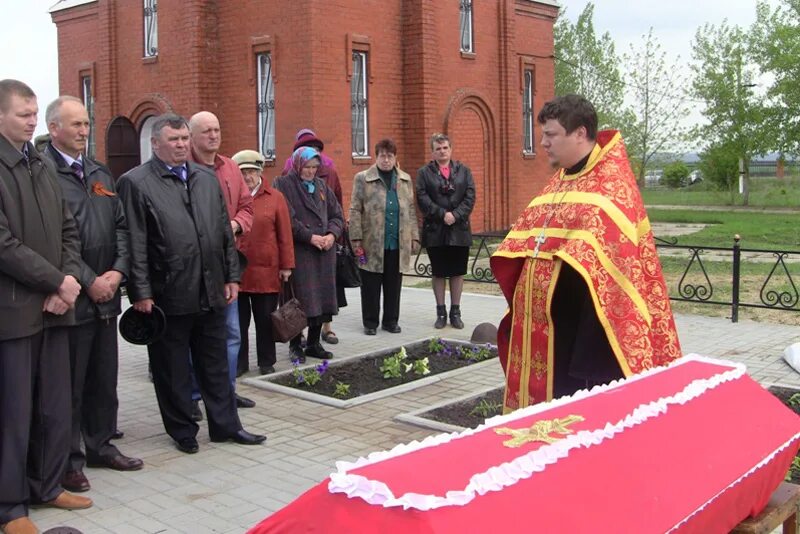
{"type": "Point", "coordinates": [571, 112]}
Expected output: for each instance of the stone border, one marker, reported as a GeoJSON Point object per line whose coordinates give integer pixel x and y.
{"type": "Point", "coordinates": [263, 382]}
{"type": "Point", "coordinates": [415, 417]}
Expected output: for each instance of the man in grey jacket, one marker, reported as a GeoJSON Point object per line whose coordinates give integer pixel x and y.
{"type": "Point", "coordinates": [90, 194]}
{"type": "Point", "coordinates": [39, 267]}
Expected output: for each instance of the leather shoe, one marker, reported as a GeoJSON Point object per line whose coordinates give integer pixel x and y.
{"type": "Point", "coordinates": [392, 328]}
{"type": "Point", "coordinates": [318, 351]}
{"type": "Point", "coordinates": [68, 501]}
{"type": "Point", "coordinates": [118, 434]}
{"type": "Point", "coordinates": [242, 437]}
{"type": "Point", "coordinates": [268, 370]}
{"type": "Point", "coordinates": [244, 402]}
{"type": "Point", "coordinates": [296, 353]}
{"type": "Point", "coordinates": [75, 481]}
{"type": "Point", "coordinates": [119, 462]}
{"type": "Point", "coordinates": [370, 331]}
{"type": "Point", "coordinates": [187, 445]}
{"type": "Point", "coordinates": [20, 525]}
{"type": "Point", "coordinates": [197, 413]}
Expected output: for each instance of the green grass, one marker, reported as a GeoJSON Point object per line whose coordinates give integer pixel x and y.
{"type": "Point", "coordinates": [764, 193]}
{"type": "Point", "coordinates": [757, 230]}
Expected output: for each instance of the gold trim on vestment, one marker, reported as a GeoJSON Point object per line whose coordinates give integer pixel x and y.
{"type": "Point", "coordinates": [595, 157]}
{"type": "Point", "coordinates": [524, 394]}
{"type": "Point", "coordinates": [551, 329]}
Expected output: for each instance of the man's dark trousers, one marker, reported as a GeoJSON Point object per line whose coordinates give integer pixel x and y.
{"type": "Point", "coordinates": [35, 414]}
{"type": "Point", "coordinates": [205, 335]}
{"type": "Point", "coordinates": [94, 356]}
{"type": "Point", "coordinates": [391, 280]}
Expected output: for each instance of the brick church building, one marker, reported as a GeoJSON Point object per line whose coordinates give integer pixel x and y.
{"type": "Point", "coordinates": [354, 71]}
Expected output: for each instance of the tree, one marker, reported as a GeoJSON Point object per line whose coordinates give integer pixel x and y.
{"type": "Point", "coordinates": [657, 90]}
{"type": "Point", "coordinates": [776, 48]}
{"type": "Point", "coordinates": [719, 164]}
{"type": "Point", "coordinates": [588, 65]}
{"type": "Point", "coordinates": [724, 69]}
{"type": "Point", "coordinates": [675, 175]}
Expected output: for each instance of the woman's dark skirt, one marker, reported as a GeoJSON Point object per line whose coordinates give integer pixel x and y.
{"type": "Point", "coordinates": [448, 261]}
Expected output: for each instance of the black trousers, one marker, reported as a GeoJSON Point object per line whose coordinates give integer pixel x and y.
{"type": "Point", "coordinates": [203, 334]}
{"type": "Point", "coordinates": [261, 305]}
{"type": "Point", "coordinates": [34, 420]}
{"type": "Point", "coordinates": [94, 358]}
{"type": "Point", "coordinates": [391, 280]}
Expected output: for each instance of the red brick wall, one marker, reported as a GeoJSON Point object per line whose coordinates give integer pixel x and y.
{"type": "Point", "coordinates": [419, 81]}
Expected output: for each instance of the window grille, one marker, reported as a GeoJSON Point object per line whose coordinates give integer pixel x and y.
{"type": "Point", "coordinates": [150, 28]}
{"type": "Point", "coordinates": [527, 113]}
{"type": "Point", "coordinates": [358, 105]}
{"type": "Point", "coordinates": [467, 42]}
{"type": "Point", "coordinates": [266, 106]}
{"type": "Point", "coordinates": [88, 102]}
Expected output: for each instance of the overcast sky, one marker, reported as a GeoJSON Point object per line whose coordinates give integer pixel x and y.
{"type": "Point", "coordinates": [28, 40]}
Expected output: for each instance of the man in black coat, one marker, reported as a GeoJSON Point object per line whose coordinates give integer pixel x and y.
{"type": "Point", "coordinates": [89, 191]}
{"type": "Point", "coordinates": [39, 267]}
{"type": "Point", "coordinates": [183, 259]}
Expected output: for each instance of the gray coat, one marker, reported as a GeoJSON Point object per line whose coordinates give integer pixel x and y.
{"type": "Point", "coordinates": [368, 217]}
{"type": "Point", "coordinates": [314, 276]}
{"type": "Point", "coordinates": [39, 243]}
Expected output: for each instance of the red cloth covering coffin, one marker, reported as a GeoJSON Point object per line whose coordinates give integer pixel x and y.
{"type": "Point", "coordinates": [694, 447]}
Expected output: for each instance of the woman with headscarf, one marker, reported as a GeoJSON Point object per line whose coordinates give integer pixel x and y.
{"type": "Point", "coordinates": [317, 223]}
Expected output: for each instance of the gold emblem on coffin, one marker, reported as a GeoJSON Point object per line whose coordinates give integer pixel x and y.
{"type": "Point", "coordinates": [540, 431]}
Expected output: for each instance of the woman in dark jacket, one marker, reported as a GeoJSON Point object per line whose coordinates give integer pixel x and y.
{"type": "Point", "coordinates": [446, 196]}
{"type": "Point", "coordinates": [316, 224]}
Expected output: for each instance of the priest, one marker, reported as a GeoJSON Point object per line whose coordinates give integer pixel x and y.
{"type": "Point", "coordinates": [579, 269]}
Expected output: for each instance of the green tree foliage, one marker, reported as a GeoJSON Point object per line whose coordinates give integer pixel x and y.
{"type": "Point", "coordinates": [724, 68]}
{"type": "Point", "coordinates": [675, 174]}
{"type": "Point", "coordinates": [776, 48]}
{"type": "Point", "coordinates": [719, 164]}
{"type": "Point", "coordinates": [657, 91]}
{"type": "Point", "coordinates": [588, 65]}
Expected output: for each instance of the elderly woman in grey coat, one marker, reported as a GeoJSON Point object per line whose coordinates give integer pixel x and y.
{"type": "Point", "coordinates": [384, 232]}
{"type": "Point", "coordinates": [316, 224]}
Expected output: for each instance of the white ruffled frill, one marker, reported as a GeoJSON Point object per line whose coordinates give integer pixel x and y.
{"type": "Point", "coordinates": [498, 477]}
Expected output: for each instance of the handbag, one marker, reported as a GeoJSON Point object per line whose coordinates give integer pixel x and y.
{"type": "Point", "coordinates": [347, 272]}
{"type": "Point", "coordinates": [289, 320]}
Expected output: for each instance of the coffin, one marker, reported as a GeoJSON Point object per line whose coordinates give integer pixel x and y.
{"type": "Point", "coordinates": [694, 447]}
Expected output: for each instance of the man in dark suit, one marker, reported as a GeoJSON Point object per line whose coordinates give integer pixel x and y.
{"type": "Point", "coordinates": [183, 259]}
{"type": "Point", "coordinates": [39, 267]}
{"type": "Point", "coordinates": [89, 191]}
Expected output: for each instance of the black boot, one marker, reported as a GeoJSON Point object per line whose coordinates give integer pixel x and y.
{"type": "Point", "coordinates": [441, 317]}
{"type": "Point", "coordinates": [316, 350]}
{"type": "Point", "coordinates": [455, 316]}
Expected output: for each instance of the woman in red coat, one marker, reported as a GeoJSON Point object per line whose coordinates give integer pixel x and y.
{"type": "Point", "coordinates": [269, 251]}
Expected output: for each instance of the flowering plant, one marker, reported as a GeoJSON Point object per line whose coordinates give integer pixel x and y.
{"type": "Point", "coordinates": [308, 377]}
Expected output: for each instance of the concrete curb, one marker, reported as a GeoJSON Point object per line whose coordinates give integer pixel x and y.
{"type": "Point", "coordinates": [414, 417]}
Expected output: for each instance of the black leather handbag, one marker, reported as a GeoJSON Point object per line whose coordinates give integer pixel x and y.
{"type": "Point", "coordinates": [347, 272]}
{"type": "Point", "coordinates": [289, 320]}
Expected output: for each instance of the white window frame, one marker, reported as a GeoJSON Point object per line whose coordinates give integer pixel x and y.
{"type": "Point", "coordinates": [466, 24]}
{"type": "Point", "coordinates": [150, 28]}
{"type": "Point", "coordinates": [88, 102]}
{"type": "Point", "coordinates": [527, 113]}
{"type": "Point", "coordinates": [359, 105]}
{"type": "Point", "coordinates": [265, 108]}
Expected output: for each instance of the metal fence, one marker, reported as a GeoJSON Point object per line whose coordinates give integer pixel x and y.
{"type": "Point", "coordinates": [696, 284]}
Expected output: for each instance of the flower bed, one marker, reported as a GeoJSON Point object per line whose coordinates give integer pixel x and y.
{"type": "Point", "coordinates": [361, 378]}
{"type": "Point", "coordinates": [791, 398]}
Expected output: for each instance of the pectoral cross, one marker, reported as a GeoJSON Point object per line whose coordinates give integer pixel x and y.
{"type": "Point", "coordinates": [540, 239]}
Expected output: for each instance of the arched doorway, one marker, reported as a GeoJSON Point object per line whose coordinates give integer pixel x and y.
{"type": "Point", "coordinates": [122, 146]}
{"type": "Point", "coordinates": [145, 146]}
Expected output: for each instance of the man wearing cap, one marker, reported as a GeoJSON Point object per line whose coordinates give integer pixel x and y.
{"type": "Point", "coordinates": [39, 271]}
{"type": "Point", "coordinates": [327, 172]}
{"type": "Point", "coordinates": [184, 260]}
{"type": "Point", "coordinates": [270, 253]}
{"type": "Point", "coordinates": [206, 137]}
{"type": "Point", "coordinates": [89, 191]}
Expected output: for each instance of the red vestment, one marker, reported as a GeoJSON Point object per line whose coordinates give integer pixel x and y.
{"type": "Point", "coordinates": [595, 222]}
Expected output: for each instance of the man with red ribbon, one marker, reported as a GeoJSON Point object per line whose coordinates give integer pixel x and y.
{"type": "Point", "coordinates": [579, 269]}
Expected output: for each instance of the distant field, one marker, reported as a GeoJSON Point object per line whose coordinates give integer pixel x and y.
{"type": "Point", "coordinates": [764, 192]}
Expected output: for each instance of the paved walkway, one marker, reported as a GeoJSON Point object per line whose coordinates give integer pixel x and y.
{"type": "Point", "coordinates": [229, 487]}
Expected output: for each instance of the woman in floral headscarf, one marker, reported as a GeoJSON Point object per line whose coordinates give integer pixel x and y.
{"type": "Point", "coordinates": [316, 224]}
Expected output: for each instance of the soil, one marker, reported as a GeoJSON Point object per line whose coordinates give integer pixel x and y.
{"type": "Point", "coordinates": [363, 375]}
{"type": "Point", "coordinates": [469, 413]}
{"type": "Point", "coordinates": [785, 396]}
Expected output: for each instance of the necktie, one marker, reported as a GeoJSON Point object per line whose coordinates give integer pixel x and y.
{"type": "Point", "coordinates": [180, 172]}
{"type": "Point", "coordinates": [78, 169]}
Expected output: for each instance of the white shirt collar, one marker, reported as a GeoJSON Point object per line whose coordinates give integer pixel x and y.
{"type": "Point", "coordinates": [69, 159]}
